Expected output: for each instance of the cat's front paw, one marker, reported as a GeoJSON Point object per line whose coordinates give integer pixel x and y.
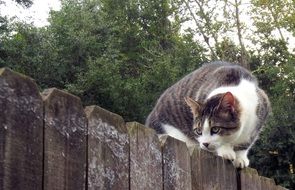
{"type": "Point", "coordinates": [241, 161]}
{"type": "Point", "coordinates": [226, 153]}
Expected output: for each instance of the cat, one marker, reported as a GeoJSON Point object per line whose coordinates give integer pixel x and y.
{"type": "Point", "coordinates": [218, 106]}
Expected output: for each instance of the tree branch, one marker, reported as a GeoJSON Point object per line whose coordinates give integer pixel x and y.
{"type": "Point", "coordinates": [244, 58]}
{"type": "Point", "coordinates": [206, 38]}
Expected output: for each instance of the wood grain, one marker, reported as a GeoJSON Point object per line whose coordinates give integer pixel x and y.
{"type": "Point", "coordinates": [212, 172]}
{"type": "Point", "coordinates": [176, 165]}
{"type": "Point", "coordinates": [250, 180]}
{"type": "Point", "coordinates": [145, 158]}
{"type": "Point", "coordinates": [108, 150]}
{"type": "Point", "coordinates": [21, 132]}
{"type": "Point", "coordinates": [64, 141]}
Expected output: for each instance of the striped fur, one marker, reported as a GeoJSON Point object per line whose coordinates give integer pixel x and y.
{"type": "Point", "coordinates": [209, 87]}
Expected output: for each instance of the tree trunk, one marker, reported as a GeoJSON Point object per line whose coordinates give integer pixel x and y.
{"type": "Point", "coordinates": [244, 57]}
{"type": "Point", "coordinates": [203, 33]}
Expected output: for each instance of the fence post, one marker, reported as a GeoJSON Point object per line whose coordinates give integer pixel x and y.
{"type": "Point", "coordinates": [108, 150]}
{"type": "Point", "coordinates": [21, 132]}
{"type": "Point", "coordinates": [212, 172]}
{"type": "Point", "coordinates": [145, 158]}
{"type": "Point", "coordinates": [176, 164]}
{"type": "Point", "coordinates": [64, 141]}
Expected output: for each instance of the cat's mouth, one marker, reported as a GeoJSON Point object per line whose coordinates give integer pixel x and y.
{"type": "Point", "coordinates": [209, 149]}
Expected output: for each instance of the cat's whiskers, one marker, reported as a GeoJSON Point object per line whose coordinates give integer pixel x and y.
{"type": "Point", "coordinates": [219, 105]}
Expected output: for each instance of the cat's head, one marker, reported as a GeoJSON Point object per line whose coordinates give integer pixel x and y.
{"type": "Point", "coordinates": [216, 120]}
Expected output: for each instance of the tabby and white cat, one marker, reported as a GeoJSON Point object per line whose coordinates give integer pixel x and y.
{"type": "Point", "coordinates": [219, 105]}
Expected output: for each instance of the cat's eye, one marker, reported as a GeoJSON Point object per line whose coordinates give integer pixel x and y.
{"type": "Point", "coordinates": [215, 130]}
{"type": "Point", "coordinates": [198, 131]}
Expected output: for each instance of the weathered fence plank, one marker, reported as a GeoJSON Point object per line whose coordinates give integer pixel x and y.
{"type": "Point", "coordinates": [64, 141]}
{"type": "Point", "coordinates": [145, 158]}
{"type": "Point", "coordinates": [21, 132]}
{"type": "Point", "coordinates": [250, 180]}
{"type": "Point", "coordinates": [267, 183]}
{"type": "Point", "coordinates": [176, 164]}
{"type": "Point", "coordinates": [197, 178]}
{"type": "Point", "coordinates": [45, 144]}
{"type": "Point", "coordinates": [226, 173]}
{"type": "Point", "coordinates": [108, 150]}
{"type": "Point", "coordinates": [280, 188]}
{"type": "Point", "coordinates": [212, 172]}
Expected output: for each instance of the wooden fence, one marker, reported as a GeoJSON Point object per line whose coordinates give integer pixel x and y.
{"type": "Point", "coordinates": [49, 141]}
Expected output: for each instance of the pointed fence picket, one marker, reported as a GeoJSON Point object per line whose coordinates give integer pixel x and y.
{"type": "Point", "coordinates": [50, 141]}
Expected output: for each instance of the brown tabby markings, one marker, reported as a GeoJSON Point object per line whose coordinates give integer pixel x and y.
{"type": "Point", "coordinates": [171, 108]}
{"type": "Point", "coordinates": [218, 117]}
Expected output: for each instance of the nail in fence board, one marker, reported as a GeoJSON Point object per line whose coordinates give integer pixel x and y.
{"type": "Point", "coordinates": [212, 172]}
{"type": "Point", "coordinates": [176, 165]}
{"type": "Point", "coordinates": [145, 158]}
{"type": "Point", "coordinates": [108, 150]}
{"type": "Point", "coordinates": [64, 141]}
{"type": "Point", "coordinates": [21, 132]}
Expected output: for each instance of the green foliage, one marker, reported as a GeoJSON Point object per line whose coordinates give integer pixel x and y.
{"type": "Point", "coordinates": [117, 54]}
{"type": "Point", "coordinates": [142, 57]}
{"type": "Point", "coordinates": [273, 154]}
{"type": "Point", "coordinates": [228, 51]}
{"type": "Point", "coordinates": [25, 3]}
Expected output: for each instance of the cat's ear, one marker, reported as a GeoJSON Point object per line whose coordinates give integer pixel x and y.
{"type": "Point", "coordinates": [227, 102]}
{"type": "Point", "coordinates": [194, 106]}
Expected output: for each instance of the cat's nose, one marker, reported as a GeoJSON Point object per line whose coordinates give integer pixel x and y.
{"type": "Point", "coordinates": [206, 144]}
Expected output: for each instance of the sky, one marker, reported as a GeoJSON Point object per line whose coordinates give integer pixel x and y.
{"type": "Point", "coordinates": [37, 13]}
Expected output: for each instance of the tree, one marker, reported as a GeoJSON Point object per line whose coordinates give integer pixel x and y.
{"type": "Point", "coordinates": [227, 50]}
{"type": "Point", "coordinates": [273, 63]}
{"type": "Point", "coordinates": [270, 16]}
{"type": "Point", "coordinates": [25, 3]}
{"type": "Point", "coordinates": [273, 154]}
{"type": "Point", "coordinates": [144, 54]}
{"type": "Point", "coordinates": [238, 24]}
{"type": "Point", "coordinates": [217, 24]}
{"type": "Point", "coordinates": [120, 55]}
{"type": "Point", "coordinates": [5, 31]}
